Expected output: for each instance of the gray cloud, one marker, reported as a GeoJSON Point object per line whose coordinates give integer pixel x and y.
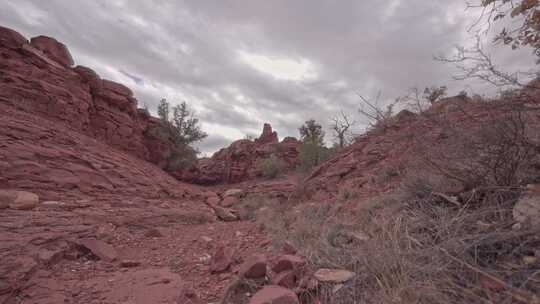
{"type": "Point", "coordinates": [192, 50]}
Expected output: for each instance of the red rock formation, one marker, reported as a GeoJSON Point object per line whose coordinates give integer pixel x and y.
{"type": "Point", "coordinates": [267, 136]}
{"type": "Point", "coordinates": [377, 161]}
{"type": "Point", "coordinates": [37, 77]}
{"type": "Point", "coordinates": [57, 162]}
{"type": "Point", "coordinates": [238, 162]}
{"type": "Point", "coordinates": [53, 49]}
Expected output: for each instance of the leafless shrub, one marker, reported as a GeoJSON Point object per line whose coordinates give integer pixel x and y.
{"type": "Point", "coordinates": [494, 149]}
{"type": "Point", "coordinates": [341, 125]}
{"type": "Point", "coordinates": [379, 117]}
{"type": "Point", "coordinates": [475, 63]}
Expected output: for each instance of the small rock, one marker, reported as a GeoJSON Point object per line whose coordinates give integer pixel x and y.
{"type": "Point", "coordinates": [533, 188]}
{"type": "Point", "coordinates": [48, 257]}
{"type": "Point", "coordinates": [204, 258]}
{"type": "Point", "coordinates": [273, 294]}
{"type": "Point", "coordinates": [206, 239]}
{"type": "Point", "coordinates": [213, 201]}
{"type": "Point", "coordinates": [333, 275]}
{"type": "Point", "coordinates": [232, 192]}
{"type": "Point", "coordinates": [288, 248]}
{"type": "Point", "coordinates": [229, 201]}
{"type": "Point", "coordinates": [129, 263]}
{"type": "Point", "coordinates": [527, 210]}
{"type": "Point", "coordinates": [285, 279]}
{"type": "Point", "coordinates": [529, 259]}
{"type": "Point", "coordinates": [358, 236]}
{"type": "Point", "coordinates": [100, 249]}
{"type": "Point", "coordinates": [265, 242]}
{"type": "Point", "coordinates": [254, 267]}
{"type": "Point", "coordinates": [208, 194]}
{"type": "Point", "coordinates": [188, 296]}
{"type": "Point", "coordinates": [153, 232]}
{"type": "Point", "coordinates": [288, 262]}
{"type": "Point", "coordinates": [225, 214]}
{"type": "Point", "coordinates": [221, 260]}
{"type": "Point", "coordinates": [18, 200]}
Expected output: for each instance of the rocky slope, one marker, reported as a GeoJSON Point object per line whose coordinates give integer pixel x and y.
{"type": "Point", "coordinates": [379, 160]}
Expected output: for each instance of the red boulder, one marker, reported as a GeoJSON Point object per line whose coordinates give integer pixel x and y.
{"type": "Point", "coordinates": [10, 38]}
{"type": "Point", "coordinates": [221, 260]}
{"type": "Point", "coordinates": [254, 267]}
{"type": "Point", "coordinates": [54, 49]}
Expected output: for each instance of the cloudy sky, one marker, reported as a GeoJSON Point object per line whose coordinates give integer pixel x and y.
{"type": "Point", "coordinates": [240, 63]}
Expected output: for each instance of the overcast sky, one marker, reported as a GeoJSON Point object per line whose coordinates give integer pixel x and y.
{"type": "Point", "coordinates": [240, 63]}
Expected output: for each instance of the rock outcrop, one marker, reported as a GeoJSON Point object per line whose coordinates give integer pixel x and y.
{"type": "Point", "coordinates": [56, 162]}
{"type": "Point", "coordinates": [38, 77]}
{"type": "Point", "coordinates": [238, 162]}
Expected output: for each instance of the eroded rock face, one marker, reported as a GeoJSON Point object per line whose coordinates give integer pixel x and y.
{"type": "Point", "coordinates": [238, 162]}
{"type": "Point", "coordinates": [37, 77]}
{"type": "Point", "coordinates": [55, 50]}
{"type": "Point", "coordinates": [56, 163]}
{"type": "Point", "coordinates": [10, 38]}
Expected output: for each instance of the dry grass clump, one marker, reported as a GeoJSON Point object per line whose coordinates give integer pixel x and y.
{"type": "Point", "coordinates": [252, 204]}
{"type": "Point", "coordinates": [271, 167]}
{"type": "Point", "coordinates": [421, 250]}
{"type": "Point", "coordinates": [433, 251]}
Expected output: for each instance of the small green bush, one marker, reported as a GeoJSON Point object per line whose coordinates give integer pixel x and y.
{"type": "Point", "coordinates": [311, 155]}
{"type": "Point", "coordinates": [182, 155]}
{"type": "Point", "coordinates": [271, 167]}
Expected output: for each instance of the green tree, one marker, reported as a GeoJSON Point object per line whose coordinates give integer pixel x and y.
{"type": "Point", "coordinates": [163, 110]}
{"type": "Point", "coordinates": [312, 132]}
{"type": "Point", "coordinates": [312, 149]}
{"type": "Point", "coordinates": [183, 129]}
{"type": "Point", "coordinates": [184, 126]}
